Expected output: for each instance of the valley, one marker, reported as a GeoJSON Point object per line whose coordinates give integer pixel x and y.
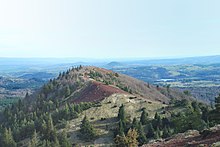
{"type": "Point", "coordinates": [202, 80]}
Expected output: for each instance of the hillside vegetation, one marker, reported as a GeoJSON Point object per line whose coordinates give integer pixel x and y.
{"type": "Point", "coordinates": [94, 106]}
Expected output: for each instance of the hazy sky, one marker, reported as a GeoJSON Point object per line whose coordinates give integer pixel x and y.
{"type": "Point", "coordinates": [109, 28]}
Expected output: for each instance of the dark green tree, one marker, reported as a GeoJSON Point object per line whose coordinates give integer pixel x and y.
{"type": "Point", "coordinates": [135, 124]}
{"type": "Point", "coordinates": [49, 130]}
{"type": "Point", "coordinates": [157, 133]}
{"type": "Point", "coordinates": [121, 113]}
{"type": "Point", "coordinates": [195, 106]}
{"type": "Point", "coordinates": [157, 122]}
{"type": "Point", "coordinates": [34, 140]}
{"type": "Point", "coordinates": [166, 132]}
{"type": "Point", "coordinates": [217, 103]}
{"type": "Point", "coordinates": [64, 142]}
{"type": "Point", "coordinates": [144, 118]}
{"type": "Point", "coordinates": [67, 112]}
{"type": "Point", "coordinates": [67, 91]}
{"type": "Point", "coordinates": [150, 133]}
{"type": "Point", "coordinates": [142, 139]}
{"type": "Point", "coordinates": [121, 129]}
{"type": "Point", "coordinates": [214, 115]}
{"type": "Point", "coordinates": [88, 132]}
{"type": "Point", "coordinates": [7, 139]}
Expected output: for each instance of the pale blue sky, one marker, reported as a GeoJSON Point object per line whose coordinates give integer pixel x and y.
{"type": "Point", "coordinates": [109, 28]}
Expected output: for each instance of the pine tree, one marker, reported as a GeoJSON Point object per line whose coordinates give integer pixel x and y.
{"type": "Point", "coordinates": [73, 113]}
{"type": "Point", "coordinates": [49, 130]}
{"type": "Point", "coordinates": [121, 113]}
{"type": "Point", "coordinates": [67, 91]}
{"type": "Point", "coordinates": [34, 140]}
{"type": "Point", "coordinates": [7, 139]}
{"type": "Point", "coordinates": [67, 112]}
{"type": "Point", "coordinates": [213, 117]}
{"type": "Point", "coordinates": [166, 132]}
{"type": "Point", "coordinates": [87, 130]}
{"type": "Point", "coordinates": [135, 123]}
{"type": "Point", "coordinates": [156, 116]}
{"type": "Point", "coordinates": [157, 121]}
{"type": "Point", "coordinates": [121, 129]}
{"type": "Point", "coordinates": [150, 133]}
{"type": "Point", "coordinates": [77, 108]}
{"type": "Point", "coordinates": [144, 118]}
{"type": "Point", "coordinates": [157, 133]}
{"type": "Point", "coordinates": [64, 142]}
{"type": "Point", "coordinates": [142, 139]}
{"type": "Point", "coordinates": [217, 103]}
{"type": "Point", "coordinates": [55, 143]}
{"type": "Point", "coordinates": [47, 143]}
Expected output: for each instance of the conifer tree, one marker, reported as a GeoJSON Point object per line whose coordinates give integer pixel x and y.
{"type": "Point", "coordinates": [67, 91]}
{"type": "Point", "coordinates": [64, 142]}
{"type": "Point", "coordinates": [121, 129]}
{"type": "Point", "coordinates": [144, 118]}
{"type": "Point", "coordinates": [135, 124]}
{"type": "Point", "coordinates": [156, 116]}
{"type": "Point", "coordinates": [87, 130]}
{"type": "Point", "coordinates": [166, 132]}
{"type": "Point", "coordinates": [157, 122]}
{"type": "Point", "coordinates": [66, 112]}
{"type": "Point", "coordinates": [55, 143]}
{"type": "Point", "coordinates": [7, 139]}
{"type": "Point", "coordinates": [49, 130]}
{"type": "Point", "coordinates": [34, 140]}
{"type": "Point", "coordinates": [157, 133]}
{"type": "Point", "coordinates": [121, 113]}
{"type": "Point", "coordinates": [217, 103]}
{"type": "Point", "coordinates": [142, 139]}
{"type": "Point", "coordinates": [150, 133]}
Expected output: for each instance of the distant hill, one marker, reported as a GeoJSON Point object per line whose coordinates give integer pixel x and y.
{"type": "Point", "coordinates": [37, 75]}
{"type": "Point", "coordinates": [115, 64]}
{"type": "Point", "coordinates": [178, 61]}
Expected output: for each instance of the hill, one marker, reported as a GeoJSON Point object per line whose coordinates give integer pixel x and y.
{"type": "Point", "coordinates": [89, 84]}
{"type": "Point", "coordinates": [178, 61]}
{"type": "Point", "coordinates": [115, 64]}
{"type": "Point", "coordinates": [107, 102]}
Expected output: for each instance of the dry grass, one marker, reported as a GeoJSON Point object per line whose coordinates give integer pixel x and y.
{"type": "Point", "coordinates": [104, 117]}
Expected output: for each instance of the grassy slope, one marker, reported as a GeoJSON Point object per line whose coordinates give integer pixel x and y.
{"type": "Point", "coordinates": [109, 111]}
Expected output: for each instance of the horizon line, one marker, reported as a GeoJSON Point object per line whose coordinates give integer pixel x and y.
{"type": "Point", "coordinates": [112, 58]}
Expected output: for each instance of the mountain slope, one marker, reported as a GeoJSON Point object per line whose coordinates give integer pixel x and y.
{"type": "Point", "coordinates": [110, 90]}
{"type": "Point", "coordinates": [97, 93]}
{"type": "Point", "coordinates": [87, 84]}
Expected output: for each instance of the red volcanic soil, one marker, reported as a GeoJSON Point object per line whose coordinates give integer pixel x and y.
{"type": "Point", "coordinates": [192, 141]}
{"type": "Point", "coordinates": [96, 91]}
